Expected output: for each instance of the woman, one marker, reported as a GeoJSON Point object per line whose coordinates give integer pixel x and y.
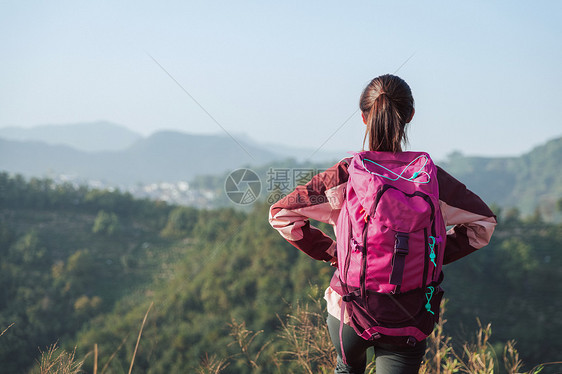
{"type": "Point", "coordinates": [387, 106]}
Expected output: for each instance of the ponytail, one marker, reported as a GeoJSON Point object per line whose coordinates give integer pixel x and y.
{"type": "Point", "coordinates": [387, 104]}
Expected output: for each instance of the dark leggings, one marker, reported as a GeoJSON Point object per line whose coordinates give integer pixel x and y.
{"type": "Point", "coordinates": [389, 359]}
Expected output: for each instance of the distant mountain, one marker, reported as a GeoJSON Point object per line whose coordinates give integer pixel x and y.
{"type": "Point", "coordinates": [526, 182]}
{"type": "Point", "coordinates": [106, 136]}
{"type": "Point", "coordinates": [36, 159]}
{"type": "Point", "coordinates": [91, 137]}
{"type": "Point", "coordinates": [164, 156]}
{"type": "Point", "coordinates": [171, 156]}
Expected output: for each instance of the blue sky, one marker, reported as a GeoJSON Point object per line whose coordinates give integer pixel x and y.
{"type": "Point", "coordinates": [486, 75]}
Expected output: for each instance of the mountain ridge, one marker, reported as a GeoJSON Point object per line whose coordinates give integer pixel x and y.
{"type": "Point", "coordinates": [85, 136]}
{"type": "Point", "coordinates": [162, 156]}
{"type": "Point", "coordinates": [107, 136]}
{"type": "Point", "coordinates": [528, 181]}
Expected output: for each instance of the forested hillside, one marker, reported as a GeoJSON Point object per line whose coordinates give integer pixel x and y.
{"type": "Point", "coordinates": [67, 255]}
{"type": "Point", "coordinates": [528, 182]}
{"type": "Point", "coordinates": [81, 267]}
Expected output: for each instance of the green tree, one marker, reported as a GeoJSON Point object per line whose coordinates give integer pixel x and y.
{"type": "Point", "coordinates": [512, 216]}
{"type": "Point", "coordinates": [28, 249]}
{"type": "Point", "coordinates": [79, 272]}
{"type": "Point", "coordinates": [106, 223]}
{"type": "Point", "coordinates": [181, 222]}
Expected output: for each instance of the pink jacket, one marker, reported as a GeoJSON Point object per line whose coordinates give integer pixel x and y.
{"type": "Point", "coordinates": [321, 199]}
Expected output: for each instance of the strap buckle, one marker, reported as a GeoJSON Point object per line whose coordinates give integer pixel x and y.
{"type": "Point", "coordinates": [401, 244]}
{"type": "Point", "coordinates": [412, 341]}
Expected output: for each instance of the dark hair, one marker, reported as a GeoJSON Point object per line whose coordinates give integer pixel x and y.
{"type": "Point", "coordinates": [387, 104]}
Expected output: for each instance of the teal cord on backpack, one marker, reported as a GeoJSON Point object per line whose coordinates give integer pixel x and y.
{"type": "Point", "coordinates": [428, 296]}
{"type": "Point", "coordinates": [414, 176]}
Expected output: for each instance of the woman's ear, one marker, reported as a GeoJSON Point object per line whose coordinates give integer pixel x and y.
{"type": "Point", "coordinates": [364, 119]}
{"type": "Point", "coordinates": [411, 116]}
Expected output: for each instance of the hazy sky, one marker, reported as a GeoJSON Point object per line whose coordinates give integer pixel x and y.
{"type": "Point", "coordinates": [486, 75]}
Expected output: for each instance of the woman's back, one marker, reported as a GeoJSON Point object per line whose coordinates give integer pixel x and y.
{"type": "Point", "coordinates": [390, 209]}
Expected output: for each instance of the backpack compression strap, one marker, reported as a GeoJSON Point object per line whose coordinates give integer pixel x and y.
{"type": "Point", "coordinates": [398, 261]}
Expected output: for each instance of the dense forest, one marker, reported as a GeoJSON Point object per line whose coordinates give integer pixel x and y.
{"type": "Point", "coordinates": [82, 266]}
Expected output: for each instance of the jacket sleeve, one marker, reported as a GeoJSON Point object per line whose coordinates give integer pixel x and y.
{"type": "Point", "coordinates": [320, 199]}
{"type": "Point", "coordinates": [472, 220]}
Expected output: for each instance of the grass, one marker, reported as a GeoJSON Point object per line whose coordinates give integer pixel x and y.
{"type": "Point", "coordinates": [305, 333]}
{"type": "Point", "coordinates": [6, 329]}
{"type": "Point", "coordinates": [308, 347]}
{"type": "Point", "coordinates": [57, 361]}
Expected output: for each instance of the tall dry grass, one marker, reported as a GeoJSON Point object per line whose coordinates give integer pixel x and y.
{"type": "Point", "coordinates": [306, 335]}
{"type": "Point", "coordinates": [212, 365]}
{"type": "Point", "coordinates": [6, 329]}
{"type": "Point", "coordinates": [57, 361]}
{"type": "Point", "coordinates": [308, 347]}
{"type": "Point", "coordinates": [244, 338]}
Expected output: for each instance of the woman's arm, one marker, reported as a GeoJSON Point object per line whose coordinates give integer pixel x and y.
{"type": "Point", "coordinates": [320, 199]}
{"type": "Point", "coordinates": [473, 221]}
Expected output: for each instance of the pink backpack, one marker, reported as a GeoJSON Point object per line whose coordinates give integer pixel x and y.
{"type": "Point", "coordinates": [390, 241]}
